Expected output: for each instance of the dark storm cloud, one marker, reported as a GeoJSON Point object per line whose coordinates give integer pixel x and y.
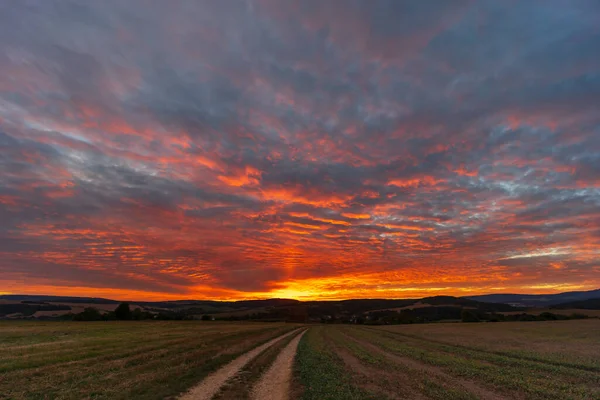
{"type": "Point", "coordinates": [239, 148]}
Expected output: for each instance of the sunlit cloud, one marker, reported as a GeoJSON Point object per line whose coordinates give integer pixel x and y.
{"type": "Point", "coordinates": [541, 253]}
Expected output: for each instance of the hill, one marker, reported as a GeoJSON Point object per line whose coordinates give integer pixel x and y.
{"type": "Point", "coordinates": [589, 304]}
{"type": "Point", "coordinates": [418, 310]}
{"type": "Point", "coordinates": [63, 299]}
{"type": "Point", "coordinates": [536, 300]}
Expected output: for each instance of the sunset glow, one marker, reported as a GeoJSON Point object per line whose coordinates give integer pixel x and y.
{"type": "Point", "coordinates": [299, 149]}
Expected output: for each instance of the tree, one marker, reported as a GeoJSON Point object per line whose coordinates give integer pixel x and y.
{"type": "Point", "coordinates": [138, 314]}
{"type": "Point", "coordinates": [468, 316]}
{"type": "Point", "coordinates": [88, 314]}
{"type": "Point", "coordinates": [123, 312]}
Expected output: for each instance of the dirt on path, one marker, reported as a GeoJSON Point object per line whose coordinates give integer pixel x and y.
{"type": "Point", "coordinates": [212, 383]}
{"type": "Point", "coordinates": [276, 382]}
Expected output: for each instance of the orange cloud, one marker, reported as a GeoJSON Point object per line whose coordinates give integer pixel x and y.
{"type": "Point", "coordinates": [356, 216]}
{"type": "Point", "coordinates": [415, 182]}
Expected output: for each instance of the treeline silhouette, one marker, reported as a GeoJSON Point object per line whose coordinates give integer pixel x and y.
{"type": "Point", "coordinates": [123, 312]}
{"type": "Point", "coordinates": [301, 314]}
{"type": "Point", "coordinates": [436, 314]}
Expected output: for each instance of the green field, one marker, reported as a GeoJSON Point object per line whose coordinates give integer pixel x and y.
{"type": "Point", "coordinates": [156, 360]}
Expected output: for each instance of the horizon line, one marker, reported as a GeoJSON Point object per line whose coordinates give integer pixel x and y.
{"type": "Point", "coordinates": [295, 299]}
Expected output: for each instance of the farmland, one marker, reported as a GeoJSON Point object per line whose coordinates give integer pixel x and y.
{"type": "Point", "coordinates": [118, 360]}
{"type": "Point", "coordinates": [512, 360]}
{"type": "Point", "coordinates": [213, 360]}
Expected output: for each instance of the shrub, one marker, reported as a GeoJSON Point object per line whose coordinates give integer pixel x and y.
{"type": "Point", "coordinates": [88, 314]}
{"type": "Point", "coordinates": [123, 312]}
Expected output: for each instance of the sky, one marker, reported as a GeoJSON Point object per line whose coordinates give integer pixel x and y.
{"type": "Point", "coordinates": [309, 149]}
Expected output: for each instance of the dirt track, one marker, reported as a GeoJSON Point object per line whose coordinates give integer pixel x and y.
{"type": "Point", "coordinates": [212, 383]}
{"type": "Point", "coordinates": [275, 383]}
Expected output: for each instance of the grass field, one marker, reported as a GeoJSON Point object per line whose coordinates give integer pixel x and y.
{"type": "Point", "coordinates": [512, 360]}
{"type": "Point", "coordinates": [157, 360]}
{"type": "Point", "coordinates": [118, 360]}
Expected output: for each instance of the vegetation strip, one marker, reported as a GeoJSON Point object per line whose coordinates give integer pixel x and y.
{"type": "Point", "coordinates": [371, 375]}
{"type": "Point", "coordinates": [321, 371]}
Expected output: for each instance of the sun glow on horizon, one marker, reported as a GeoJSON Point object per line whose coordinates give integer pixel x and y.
{"type": "Point", "coordinates": [295, 291]}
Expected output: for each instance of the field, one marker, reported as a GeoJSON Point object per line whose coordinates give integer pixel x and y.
{"type": "Point", "coordinates": [118, 360]}
{"type": "Point", "coordinates": [202, 360]}
{"type": "Point", "coordinates": [511, 360]}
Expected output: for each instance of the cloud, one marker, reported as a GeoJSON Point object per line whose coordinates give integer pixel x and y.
{"type": "Point", "coordinates": [257, 148]}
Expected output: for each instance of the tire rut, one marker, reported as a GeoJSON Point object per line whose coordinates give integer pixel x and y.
{"type": "Point", "coordinates": [276, 382]}
{"type": "Point", "coordinates": [212, 383]}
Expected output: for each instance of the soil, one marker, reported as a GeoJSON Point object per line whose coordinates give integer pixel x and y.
{"type": "Point", "coordinates": [275, 384]}
{"type": "Point", "coordinates": [211, 385]}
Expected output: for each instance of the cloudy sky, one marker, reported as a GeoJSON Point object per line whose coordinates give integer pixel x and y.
{"type": "Point", "coordinates": [309, 149]}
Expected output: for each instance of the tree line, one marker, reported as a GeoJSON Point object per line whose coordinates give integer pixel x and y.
{"type": "Point", "coordinates": [123, 312]}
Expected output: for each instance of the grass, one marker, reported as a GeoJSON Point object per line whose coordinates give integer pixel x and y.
{"type": "Point", "coordinates": [321, 371]}
{"type": "Point", "coordinates": [390, 375]}
{"type": "Point", "coordinates": [118, 360]}
{"type": "Point", "coordinates": [568, 342]}
{"type": "Point", "coordinates": [162, 359]}
{"type": "Point", "coordinates": [500, 355]}
{"type": "Point", "coordinates": [524, 360]}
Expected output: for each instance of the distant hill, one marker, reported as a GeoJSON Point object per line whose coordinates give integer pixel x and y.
{"type": "Point", "coordinates": [270, 309]}
{"type": "Point", "coordinates": [488, 302]}
{"type": "Point", "coordinates": [222, 305]}
{"type": "Point", "coordinates": [469, 303]}
{"type": "Point", "coordinates": [589, 304]}
{"type": "Point", "coordinates": [536, 300]}
{"type": "Point", "coordinates": [54, 299]}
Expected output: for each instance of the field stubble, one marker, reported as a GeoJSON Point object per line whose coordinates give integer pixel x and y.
{"type": "Point", "coordinates": [156, 360]}
{"type": "Point", "coordinates": [118, 360]}
{"type": "Point", "coordinates": [521, 360]}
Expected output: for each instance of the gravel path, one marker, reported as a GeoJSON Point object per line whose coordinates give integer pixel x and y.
{"type": "Point", "coordinates": [275, 383]}
{"type": "Point", "coordinates": [212, 383]}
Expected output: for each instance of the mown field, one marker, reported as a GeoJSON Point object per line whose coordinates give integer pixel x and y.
{"type": "Point", "coordinates": [164, 360]}
{"type": "Point", "coordinates": [118, 360]}
{"type": "Point", "coordinates": [512, 360]}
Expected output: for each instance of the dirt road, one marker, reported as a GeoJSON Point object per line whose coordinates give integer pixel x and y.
{"type": "Point", "coordinates": [275, 383]}
{"type": "Point", "coordinates": [212, 383]}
